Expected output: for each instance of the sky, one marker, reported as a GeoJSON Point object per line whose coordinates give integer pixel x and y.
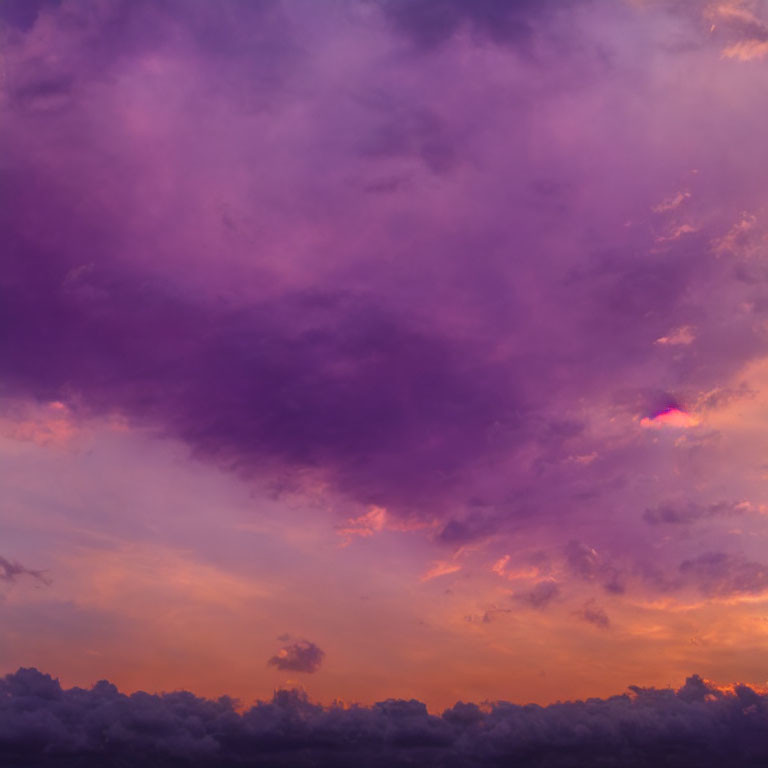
{"type": "Point", "coordinates": [382, 349]}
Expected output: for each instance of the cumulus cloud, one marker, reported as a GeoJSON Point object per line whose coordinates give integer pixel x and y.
{"type": "Point", "coordinates": [299, 656]}
{"type": "Point", "coordinates": [43, 725]}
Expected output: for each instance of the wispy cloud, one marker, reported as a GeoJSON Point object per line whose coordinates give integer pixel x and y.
{"type": "Point", "coordinates": [11, 570]}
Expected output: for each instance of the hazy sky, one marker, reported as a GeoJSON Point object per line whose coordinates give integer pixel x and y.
{"type": "Point", "coordinates": [389, 348]}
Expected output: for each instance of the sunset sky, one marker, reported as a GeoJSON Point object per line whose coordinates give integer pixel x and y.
{"type": "Point", "coordinates": [384, 348]}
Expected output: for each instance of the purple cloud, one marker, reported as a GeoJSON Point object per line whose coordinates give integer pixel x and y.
{"type": "Point", "coordinates": [11, 570]}
{"type": "Point", "coordinates": [682, 514]}
{"type": "Point", "coordinates": [432, 22]}
{"type": "Point", "coordinates": [594, 614]}
{"type": "Point", "coordinates": [23, 13]}
{"type": "Point", "coordinates": [585, 563]}
{"type": "Point", "coordinates": [720, 574]}
{"type": "Point", "coordinates": [43, 725]}
{"type": "Point", "coordinates": [540, 595]}
{"type": "Point", "coordinates": [450, 282]}
{"type": "Point", "coordinates": [301, 656]}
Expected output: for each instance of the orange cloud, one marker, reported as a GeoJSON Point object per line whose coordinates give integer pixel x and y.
{"type": "Point", "coordinates": [746, 50]}
{"type": "Point", "coordinates": [440, 568]}
{"type": "Point", "coordinates": [39, 424]}
{"type": "Point", "coordinates": [679, 336]}
{"type": "Point", "coordinates": [375, 521]}
{"type": "Point", "coordinates": [368, 524]}
{"type": "Point", "coordinates": [671, 203]}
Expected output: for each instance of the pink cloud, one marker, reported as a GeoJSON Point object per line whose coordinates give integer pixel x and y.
{"type": "Point", "coordinates": [673, 417]}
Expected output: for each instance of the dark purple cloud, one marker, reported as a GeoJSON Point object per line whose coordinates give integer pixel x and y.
{"type": "Point", "coordinates": [426, 281]}
{"type": "Point", "coordinates": [23, 13]}
{"type": "Point", "coordinates": [11, 570]}
{"type": "Point", "coordinates": [301, 656]}
{"type": "Point", "coordinates": [431, 22]}
{"type": "Point", "coordinates": [43, 725]}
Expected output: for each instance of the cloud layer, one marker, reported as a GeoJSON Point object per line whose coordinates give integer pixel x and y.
{"type": "Point", "coordinates": [44, 725]}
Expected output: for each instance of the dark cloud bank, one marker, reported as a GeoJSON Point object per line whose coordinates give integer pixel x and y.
{"type": "Point", "coordinates": [43, 725]}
